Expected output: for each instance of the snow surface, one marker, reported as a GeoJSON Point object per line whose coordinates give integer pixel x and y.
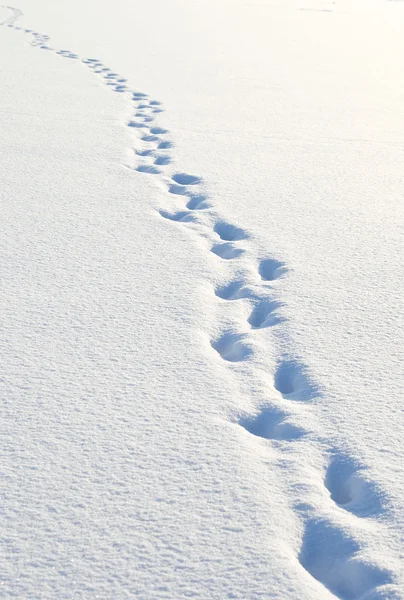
{"type": "Point", "coordinates": [202, 316]}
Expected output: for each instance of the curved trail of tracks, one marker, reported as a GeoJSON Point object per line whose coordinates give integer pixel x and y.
{"type": "Point", "coordinates": [336, 503]}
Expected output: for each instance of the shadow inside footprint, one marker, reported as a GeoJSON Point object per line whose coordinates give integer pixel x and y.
{"type": "Point", "coordinates": [158, 130]}
{"type": "Point", "coordinates": [351, 487]}
{"type": "Point", "coordinates": [197, 203]}
{"type": "Point", "coordinates": [292, 381]}
{"type": "Point", "coordinates": [165, 145]}
{"type": "Point", "coordinates": [137, 124]}
{"type": "Point", "coordinates": [150, 138]}
{"type": "Point", "coordinates": [229, 233]}
{"type": "Point", "coordinates": [148, 169]}
{"type": "Point", "coordinates": [162, 160]}
{"type": "Point", "coordinates": [330, 555]}
{"type": "Point", "coordinates": [184, 179]}
{"type": "Point", "coordinates": [178, 190]}
{"type": "Point", "coordinates": [181, 216]}
{"type": "Point", "coordinates": [232, 347]}
{"type": "Point", "coordinates": [270, 269]}
{"type": "Point", "coordinates": [271, 424]}
{"type": "Point", "coordinates": [233, 291]}
{"type": "Point", "coordinates": [145, 152]}
{"type": "Point", "coordinates": [227, 251]}
{"type": "Point", "coordinates": [264, 314]}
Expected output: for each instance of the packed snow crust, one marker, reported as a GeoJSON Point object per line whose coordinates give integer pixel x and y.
{"type": "Point", "coordinates": [202, 260]}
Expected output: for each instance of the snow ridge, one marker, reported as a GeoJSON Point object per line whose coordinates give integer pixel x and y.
{"type": "Point", "coordinates": [333, 549]}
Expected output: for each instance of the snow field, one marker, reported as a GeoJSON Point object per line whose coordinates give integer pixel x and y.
{"type": "Point", "coordinates": [337, 508]}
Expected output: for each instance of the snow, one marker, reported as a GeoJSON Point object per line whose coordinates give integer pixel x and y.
{"type": "Point", "coordinates": [202, 259]}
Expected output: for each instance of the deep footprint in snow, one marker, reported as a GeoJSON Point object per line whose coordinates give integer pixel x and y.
{"type": "Point", "coordinates": [150, 138]}
{"type": "Point", "coordinates": [178, 190]}
{"type": "Point", "coordinates": [145, 152]}
{"type": "Point", "coordinates": [332, 557]}
{"type": "Point", "coordinates": [165, 145]}
{"type": "Point", "coordinates": [351, 487]}
{"type": "Point", "coordinates": [148, 169]}
{"type": "Point", "coordinates": [162, 160]}
{"type": "Point", "coordinates": [138, 124]}
{"type": "Point", "coordinates": [233, 291]}
{"type": "Point", "coordinates": [270, 269]}
{"type": "Point", "coordinates": [158, 130]}
{"type": "Point", "coordinates": [292, 381]}
{"type": "Point", "coordinates": [227, 251]}
{"type": "Point", "coordinates": [264, 314]}
{"type": "Point", "coordinates": [232, 347]}
{"type": "Point", "coordinates": [184, 179]}
{"type": "Point", "coordinates": [272, 424]}
{"type": "Point", "coordinates": [228, 232]}
{"type": "Point", "coordinates": [181, 216]}
{"type": "Point", "coordinates": [197, 203]}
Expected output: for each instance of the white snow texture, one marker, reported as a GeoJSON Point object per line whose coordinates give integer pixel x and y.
{"type": "Point", "coordinates": [201, 299]}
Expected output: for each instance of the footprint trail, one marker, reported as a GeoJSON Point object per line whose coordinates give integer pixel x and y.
{"type": "Point", "coordinates": [331, 546]}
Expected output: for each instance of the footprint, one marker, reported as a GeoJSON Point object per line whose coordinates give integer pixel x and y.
{"type": "Point", "coordinates": [154, 103]}
{"type": "Point", "coordinates": [292, 382]}
{"type": "Point", "coordinates": [145, 152]}
{"type": "Point", "coordinates": [184, 179]}
{"type": "Point", "coordinates": [233, 291]}
{"type": "Point", "coordinates": [264, 314]}
{"type": "Point", "coordinates": [181, 216]}
{"type": "Point", "coordinates": [137, 124]}
{"type": "Point", "coordinates": [165, 145]}
{"type": "Point", "coordinates": [157, 110]}
{"type": "Point", "coordinates": [178, 190]}
{"type": "Point", "coordinates": [150, 138]}
{"type": "Point", "coordinates": [228, 232]}
{"type": "Point", "coordinates": [227, 251]}
{"type": "Point", "coordinates": [232, 347]}
{"type": "Point", "coordinates": [272, 424]}
{"type": "Point", "coordinates": [139, 96]}
{"type": "Point", "coordinates": [162, 160]}
{"type": "Point", "coordinates": [197, 203]}
{"type": "Point", "coordinates": [148, 169]}
{"type": "Point", "coordinates": [331, 556]}
{"type": "Point", "coordinates": [270, 269]}
{"type": "Point", "coordinates": [158, 130]}
{"type": "Point", "coordinates": [351, 487]}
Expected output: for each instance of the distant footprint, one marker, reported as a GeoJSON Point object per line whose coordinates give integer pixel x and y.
{"type": "Point", "coordinates": [227, 251]}
{"type": "Point", "coordinates": [272, 424]}
{"type": "Point", "coordinates": [270, 269]}
{"type": "Point", "coordinates": [232, 347]}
